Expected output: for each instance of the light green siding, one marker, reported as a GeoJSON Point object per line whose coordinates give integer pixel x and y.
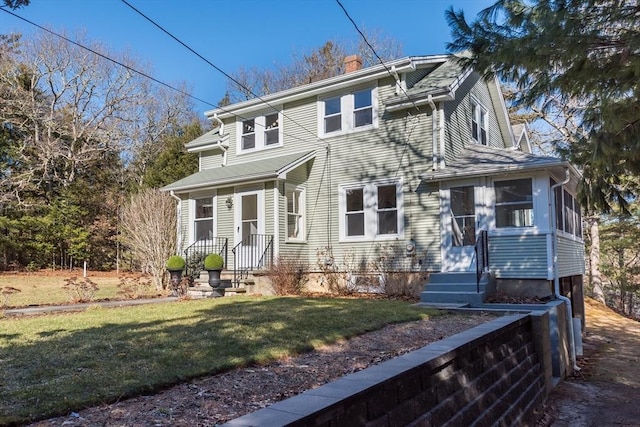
{"type": "Point", "coordinates": [519, 257]}
{"type": "Point", "coordinates": [184, 225]}
{"type": "Point", "coordinates": [424, 216]}
{"type": "Point", "coordinates": [210, 159]}
{"type": "Point", "coordinates": [570, 257]}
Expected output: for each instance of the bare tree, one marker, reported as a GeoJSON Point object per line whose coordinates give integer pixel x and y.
{"type": "Point", "coordinates": [321, 63]}
{"type": "Point", "coordinates": [67, 107]}
{"type": "Point", "coordinates": [149, 224]}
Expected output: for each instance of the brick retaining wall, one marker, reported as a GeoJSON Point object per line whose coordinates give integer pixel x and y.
{"type": "Point", "coordinates": [494, 373]}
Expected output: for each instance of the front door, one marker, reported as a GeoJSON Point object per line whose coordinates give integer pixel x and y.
{"type": "Point", "coordinates": [460, 225]}
{"type": "Point", "coordinates": [249, 226]}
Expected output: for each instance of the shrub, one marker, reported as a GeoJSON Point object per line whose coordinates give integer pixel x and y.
{"type": "Point", "coordinates": [289, 276]}
{"type": "Point", "coordinates": [133, 287]}
{"type": "Point", "coordinates": [176, 262]}
{"type": "Point", "coordinates": [403, 284]}
{"type": "Point", "coordinates": [213, 262]}
{"type": "Point", "coordinates": [80, 290]}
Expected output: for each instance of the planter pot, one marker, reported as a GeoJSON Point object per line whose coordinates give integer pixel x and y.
{"type": "Point", "coordinates": [175, 278]}
{"type": "Point", "coordinates": [218, 292]}
{"type": "Point", "coordinates": [214, 278]}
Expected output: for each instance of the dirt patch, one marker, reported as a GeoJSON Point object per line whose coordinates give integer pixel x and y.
{"type": "Point", "coordinates": [606, 390]}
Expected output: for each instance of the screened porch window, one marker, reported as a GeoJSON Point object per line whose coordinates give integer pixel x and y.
{"type": "Point", "coordinates": [463, 216]}
{"type": "Point", "coordinates": [514, 203]}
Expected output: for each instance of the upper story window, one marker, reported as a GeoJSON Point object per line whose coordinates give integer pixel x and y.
{"type": "Point", "coordinates": [514, 203]}
{"type": "Point", "coordinates": [203, 219]}
{"type": "Point", "coordinates": [349, 112]}
{"type": "Point", "coordinates": [260, 132]}
{"type": "Point", "coordinates": [370, 211]}
{"type": "Point", "coordinates": [479, 118]}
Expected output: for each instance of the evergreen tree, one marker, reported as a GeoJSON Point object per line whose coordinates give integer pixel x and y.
{"type": "Point", "coordinates": [584, 53]}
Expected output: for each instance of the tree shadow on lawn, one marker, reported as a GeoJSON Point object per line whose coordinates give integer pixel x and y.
{"type": "Point", "coordinates": [152, 347]}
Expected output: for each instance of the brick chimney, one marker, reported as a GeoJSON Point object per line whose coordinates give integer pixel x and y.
{"type": "Point", "coordinates": [352, 63]}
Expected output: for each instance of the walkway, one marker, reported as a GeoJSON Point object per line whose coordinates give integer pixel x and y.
{"type": "Point", "coordinates": [81, 307]}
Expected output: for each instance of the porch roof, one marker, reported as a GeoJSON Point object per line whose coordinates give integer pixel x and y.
{"type": "Point", "coordinates": [481, 160]}
{"type": "Point", "coordinates": [259, 170]}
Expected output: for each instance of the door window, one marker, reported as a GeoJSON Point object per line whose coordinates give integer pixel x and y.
{"type": "Point", "coordinates": [463, 216]}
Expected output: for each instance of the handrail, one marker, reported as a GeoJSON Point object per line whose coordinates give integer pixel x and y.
{"type": "Point", "coordinates": [481, 249]}
{"type": "Point", "coordinates": [255, 251]}
{"type": "Point", "coordinates": [198, 250]}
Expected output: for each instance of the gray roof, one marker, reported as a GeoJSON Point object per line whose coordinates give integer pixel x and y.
{"type": "Point", "coordinates": [441, 80]}
{"type": "Point", "coordinates": [481, 160]}
{"type": "Point", "coordinates": [210, 138]}
{"type": "Point", "coordinates": [259, 170]}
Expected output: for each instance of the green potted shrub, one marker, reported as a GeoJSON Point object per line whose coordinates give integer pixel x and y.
{"type": "Point", "coordinates": [213, 263]}
{"type": "Point", "coordinates": [175, 267]}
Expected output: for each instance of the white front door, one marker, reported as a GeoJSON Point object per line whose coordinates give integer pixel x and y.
{"type": "Point", "coordinates": [249, 226]}
{"type": "Point", "coordinates": [461, 221]}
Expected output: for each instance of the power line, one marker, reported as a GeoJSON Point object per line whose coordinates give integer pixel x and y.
{"type": "Point", "coordinates": [141, 73]}
{"type": "Point", "coordinates": [215, 66]}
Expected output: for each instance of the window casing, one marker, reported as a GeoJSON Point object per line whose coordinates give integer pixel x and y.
{"type": "Point", "coordinates": [479, 125]}
{"type": "Point", "coordinates": [203, 219]}
{"type": "Point", "coordinates": [348, 113]}
{"type": "Point", "coordinates": [371, 211]}
{"type": "Point", "coordinates": [296, 213]}
{"type": "Point", "coordinates": [514, 203]}
{"type": "Point", "coordinates": [259, 133]}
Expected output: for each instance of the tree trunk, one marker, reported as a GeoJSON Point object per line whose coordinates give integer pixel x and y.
{"type": "Point", "coordinates": [594, 259]}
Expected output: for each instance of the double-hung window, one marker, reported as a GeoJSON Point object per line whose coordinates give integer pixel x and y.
{"type": "Point", "coordinates": [514, 203]}
{"type": "Point", "coordinates": [479, 119]}
{"type": "Point", "coordinates": [370, 211]}
{"type": "Point", "coordinates": [348, 112]}
{"type": "Point", "coordinates": [295, 213]}
{"type": "Point", "coordinates": [203, 218]}
{"type": "Point", "coordinates": [260, 132]}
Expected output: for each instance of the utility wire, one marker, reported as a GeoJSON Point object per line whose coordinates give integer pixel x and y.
{"type": "Point", "coordinates": [143, 74]}
{"type": "Point", "coordinates": [215, 66]}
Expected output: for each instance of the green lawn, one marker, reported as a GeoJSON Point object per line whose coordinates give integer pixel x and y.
{"type": "Point", "coordinates": [54, 364]}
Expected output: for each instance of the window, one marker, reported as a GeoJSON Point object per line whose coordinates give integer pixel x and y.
{"type": "Point", "coordinates": [332, 115]}
{"type": "Point", "coordinates": [371, 210]}
{"type": "Point", "coordinates": [353, 111]}
{"type": "Point", "coordinates": [362, 108]}
{"type": "Point", "coordinates": [568, 212]}
{"type": "Point", "coordinates": [514, 203]}
{"type": "Point", "coordinates": [478, 123]}
{"type": "Point", "coordinates": [248, 134]}
{"type": "Point", "coordinates": [295, 213]}
{"type": "Point", "coordinates": [260, 132]}
{"type": "Point", "coordinates": [463, 216]}
{"type": "Point", "coordinates": [203, 222]}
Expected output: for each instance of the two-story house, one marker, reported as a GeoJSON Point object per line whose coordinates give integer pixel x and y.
{"type": "Point", "coordinates": [417, 153]}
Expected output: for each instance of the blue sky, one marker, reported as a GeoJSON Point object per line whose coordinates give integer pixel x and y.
{"type": "Point", "coordinates": [234, 33]}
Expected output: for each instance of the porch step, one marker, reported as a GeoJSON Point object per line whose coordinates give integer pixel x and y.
{"type": "Point", "coordinates": [456, 288]}
{"type": "Point", "coordinates": [472, 298]}
{"type": "Point", "coordinates": [205, 291]}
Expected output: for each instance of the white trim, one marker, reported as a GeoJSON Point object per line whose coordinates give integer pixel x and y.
{"type": "Point", "coordinates": [276, 219]}
{"type": "Point", "coordinates": [370, 210]}
{"type": "Point", "coordinates": [303, 214]}
{"type": "Point", "coordinates": [238, 192]}
{"type": "Point", "coordinates": [259, 133]}
{"type": "Point", "coordinates": [347, 111]}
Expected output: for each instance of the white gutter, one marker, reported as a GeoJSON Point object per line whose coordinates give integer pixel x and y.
{"type": "Point", "coordinates": [556, 278]}
{"type": "Point", "coordinates": [225, 149]}
{"type": "Point", "coordinates": [434, 132]}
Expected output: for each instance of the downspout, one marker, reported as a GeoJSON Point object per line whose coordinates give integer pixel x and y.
{"type": "Point", "coordinates": [556, 278]}
{"type": "Point", "coordinates": [221, 132]}
{"type": "Point", "coordinates": [434, 131]}
{"type": "Point", "coordinates": [179, 221]}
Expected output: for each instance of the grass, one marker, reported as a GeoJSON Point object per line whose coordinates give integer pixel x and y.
{"type": "Point", "coordinates": [55, 364]}
{"type": "Point", "coordinates": [48, 288]}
